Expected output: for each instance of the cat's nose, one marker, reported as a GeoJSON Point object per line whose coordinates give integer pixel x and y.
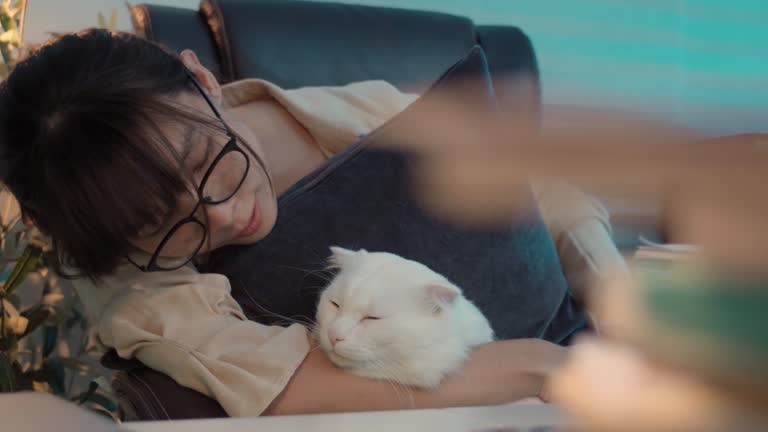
{"type": "Point", "coordinates": [335, 336]}
{"type": "Point", "coordinates": [336, 339]}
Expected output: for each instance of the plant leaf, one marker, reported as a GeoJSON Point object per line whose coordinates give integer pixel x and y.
{"type": "Point", "coordinates": [41, 375]}
{"type": "Point", "coordinates": [51, 299]}
{"type": "Point", "coordinates": [32, 310]}
{"type": "Point", "coordinates": [14, 299]}
{"type": "Point", "coordinates": [24, 384]}
{"type": "Point", "coordinates": [55, 376]}
{"type": "Point", "coordinates": [23, 381]}
{"type": "Point", "coordinates": [28, 262]}
{"type": "Point", "coordinates": [9, 345]}
{"type": "Point", "coordinates": [7, 374]}
{"type": "Point", "coordinates": [82, 397]}
{"type": "Point", "coordinates": [6, 54]}
{"type": "Point", "coordinates": [104, 383]}
{"type": "Point", "coordinates": [4, 18]}
{"type": "Point", "coordinates": [76, 365]}
{"type": "Point", "coordinates": [104, 401]}
{"type": "Point", "coordinates": [113, 20]}
{"type": "Point", "coordinates": [36, 315]}
{"type": "Point", "coordinates": [8, 36]}
{"type": "Point", "coordinates": [71, 322]}
{"type": "Point", "coordinates": [50, 336]}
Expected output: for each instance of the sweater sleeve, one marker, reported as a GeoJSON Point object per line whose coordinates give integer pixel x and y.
{"type": "Point", "coordinates": [189, 327]}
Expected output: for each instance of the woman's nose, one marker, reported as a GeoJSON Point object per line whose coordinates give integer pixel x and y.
{"type": "Point", "coordinates": [219, 214]}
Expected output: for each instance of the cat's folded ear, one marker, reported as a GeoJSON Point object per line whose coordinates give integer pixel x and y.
{"type": "Point", "coordinates": [439, 296]}
{"type": "Point", "coordinates": [340, 257]}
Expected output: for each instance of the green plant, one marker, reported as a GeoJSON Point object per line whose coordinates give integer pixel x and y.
{"type": "Point", "coordinates": [46, 342]}
{"type": "Point", "coordinates": [102, 22]}
{"type": "Point", "coordinates": [10, 37]}
{"type": "Point", "coordinates": [112, 25]}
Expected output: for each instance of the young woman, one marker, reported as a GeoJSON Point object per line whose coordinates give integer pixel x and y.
{"type": "Point", "coordinates": [137, 163]}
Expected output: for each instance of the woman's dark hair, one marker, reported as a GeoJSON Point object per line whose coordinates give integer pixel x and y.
{"type": "Point", "coordinates": [82, 147]}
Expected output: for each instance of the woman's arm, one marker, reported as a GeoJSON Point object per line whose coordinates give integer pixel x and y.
{"type": "Point", "coordinates": [580, 227]}
{"type": "Point", "coordinates": [495, 373]}
{"type": "Point", "coordinates": [187, 326]}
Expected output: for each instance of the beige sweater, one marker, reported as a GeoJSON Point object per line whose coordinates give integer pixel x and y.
{"type": "Point", "coordinates": [186, 324]}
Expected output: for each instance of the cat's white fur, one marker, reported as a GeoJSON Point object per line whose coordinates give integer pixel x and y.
{"type": "Point", "coordinates": [425, 327]}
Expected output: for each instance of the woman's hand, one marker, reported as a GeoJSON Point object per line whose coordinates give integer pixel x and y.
{"type": "Point", "coordinates": [495, 373]}
{"type": "Point", "coordinates": [554, 357]}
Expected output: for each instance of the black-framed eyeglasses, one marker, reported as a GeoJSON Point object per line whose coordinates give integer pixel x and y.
{"type": "Point", "coordinates": [220, 182]}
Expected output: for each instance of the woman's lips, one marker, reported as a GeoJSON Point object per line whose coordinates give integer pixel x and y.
{"type": "Point", "coordinates": [253, 224]}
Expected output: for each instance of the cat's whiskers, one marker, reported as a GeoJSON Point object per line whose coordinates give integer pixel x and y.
{"type": "Point", "coordinates": [286, 320]}
{"type": "Point", "coordinates": [357, 353]}
{"type": "Point", "coordinates": [382, 373]}
{"type": "Point", "coordinates": [390, 361]}
{"type": "Point", "coordinates": [309, 323]}
{"type": "Point", "coordinates": [326, 274]}
{"type": "Point", "coordinates": [391, 377]}
{"type": "Point", "coordinates": [395, 365]}
{"type": "Point", "coordinates": [321, 273]}
{"type": "Point", "coordinates": [314, 345]}
{"type": "Point", "coordinates": [409, 346]}
{"type": "Point", "coordinates": [313, 288]}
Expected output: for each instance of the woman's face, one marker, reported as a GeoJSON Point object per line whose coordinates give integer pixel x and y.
{"type": "Point", "coordinates": [246, 217]}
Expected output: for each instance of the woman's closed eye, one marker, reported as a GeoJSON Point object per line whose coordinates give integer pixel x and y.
{"type": "Point", "coordinates": [203, 161]}
{"type": "Point", "coordinates": [371, 317]}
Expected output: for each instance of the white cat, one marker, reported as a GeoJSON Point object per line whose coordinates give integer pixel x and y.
{"type": "Point", "coordinates": [384, 316]}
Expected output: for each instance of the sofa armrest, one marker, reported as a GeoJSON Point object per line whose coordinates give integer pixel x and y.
{"type": "Point", "coordinates": [515, 71]}
{"type": "Point", "coordinates": [178, 29]}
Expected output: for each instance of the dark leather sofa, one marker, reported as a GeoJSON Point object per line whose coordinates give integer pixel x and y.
{"type": "Point", "coordinates": [300, 43]}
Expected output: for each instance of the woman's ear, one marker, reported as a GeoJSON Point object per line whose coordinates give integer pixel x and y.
{"type": "Point", "coordinates": [203, 75]}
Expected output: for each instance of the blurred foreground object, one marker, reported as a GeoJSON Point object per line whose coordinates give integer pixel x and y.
{"type": "Point", "coordinates": [474, 163]}
{"type": "Point", "coordinates": [608, 386]}
{"type": "Point", "coordinates": [685, 341]}
{"type": "Point", "coordinates": [684, 348]}
{"type": "Point", "coordinates": [40, 412]}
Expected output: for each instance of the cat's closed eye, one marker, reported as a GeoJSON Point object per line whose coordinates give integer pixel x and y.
{"type": "Point", "coordinates": [334, 304]}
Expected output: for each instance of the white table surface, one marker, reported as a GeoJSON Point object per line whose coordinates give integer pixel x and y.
{"type": "Point", "coordinates": [518, 417]}
{"type": "Point", "coordinates": [33, 412]}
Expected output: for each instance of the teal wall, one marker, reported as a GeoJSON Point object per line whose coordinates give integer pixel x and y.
{"type": "Point", "coordinates": [699, 63]}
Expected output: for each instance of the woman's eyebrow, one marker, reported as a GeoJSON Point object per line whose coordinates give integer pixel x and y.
{"type": "Point", "coordinates": [209, 145]}
{"type": "Point", "coordinates": [189, 133]}
{"type": "Point", "coordinates": [189, 146]}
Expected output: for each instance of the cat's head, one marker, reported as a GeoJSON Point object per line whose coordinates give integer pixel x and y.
{"type": "Point", "coordinates": [383, 307]}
